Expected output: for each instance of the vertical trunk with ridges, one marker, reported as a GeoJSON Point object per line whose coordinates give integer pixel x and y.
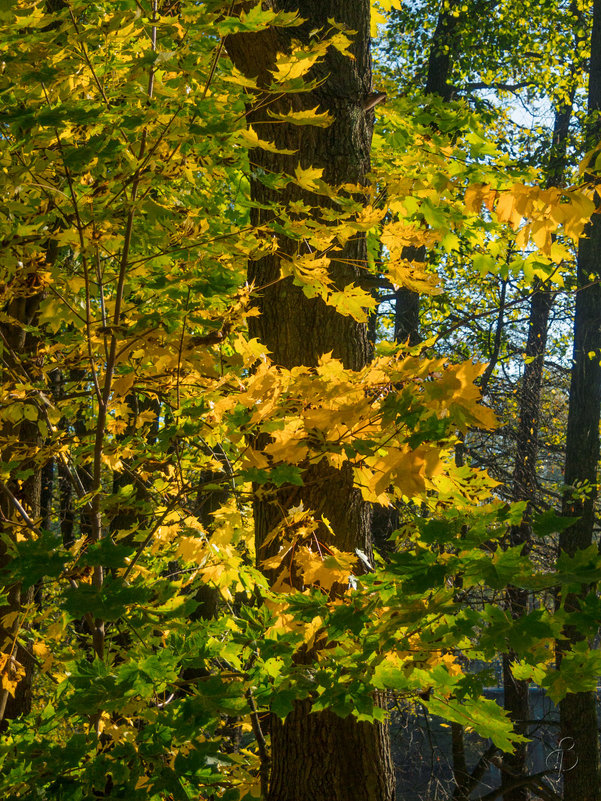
{"type": "Point", "coordinates": [578, 718]}
{"type": "Point", "coordinates": [322, 756]}
{"type": "Point", "coordinates": [316, 756]}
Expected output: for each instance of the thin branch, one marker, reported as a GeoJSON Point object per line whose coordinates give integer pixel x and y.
{"type": "Point", "coordinates": [19, 508]}
{"type": "Point", "coordinates": [261, 743]}
{"type": "Point", "coordinates": [499, 87]}
{"type": "Point", "coordinates": [494, 357]}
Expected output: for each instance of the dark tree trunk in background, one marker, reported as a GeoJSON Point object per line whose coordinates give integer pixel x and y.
{"type": "Point", "coordinates": [407, 302]}
{"type": "Point", "coordinates": [578, 714]}
{"type": "Point", "coordinates": [442, 52]}
{"type": "Point", "coordinates": [440, 63]}
{"type": "Point", "coordinates": [406, 314]}
{"type": "Point", "coordinates": [18, 360]}
{"type": "Point", "coordinates": [316, 756]}
{"type": "Point", "coordinates": [516, 700]}
{"type": "Point", "coordinates": [461, 775]}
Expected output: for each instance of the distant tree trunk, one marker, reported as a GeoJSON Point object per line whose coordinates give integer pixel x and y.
{"type": "Point", "coordinates": [440, 64]}
{"type": "Point", "coordinates": [406, 301]}
{"type": "Point", "coordinates": [406, 314]}
{"type": "Point", "coordinates": [578, 713]}
{"type": "Point", "coordinates": [461, 776]}
{"type": "Point", "coordinates": [443, 51]}
{"type": "Point", "coordinates": [19, 350]}
{"type": "Point", "coordinates": [316, 756]}
{"type": "Point", "coordinates": [516, 700]}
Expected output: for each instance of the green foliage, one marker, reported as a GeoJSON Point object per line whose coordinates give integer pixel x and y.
{"type": "Point", "coordinates": [127, 229]}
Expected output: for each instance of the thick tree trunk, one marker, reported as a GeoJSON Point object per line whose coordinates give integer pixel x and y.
{"type": "Point", "coordinates": [578, 719]}
{"type": "Point", "coordinates": [316, 756]}
{"type": "Point", "coordinates": [322, 756]}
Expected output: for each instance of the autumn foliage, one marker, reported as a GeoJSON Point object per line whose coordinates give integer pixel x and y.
{"type": "Point", "coordinates": [146, 633]}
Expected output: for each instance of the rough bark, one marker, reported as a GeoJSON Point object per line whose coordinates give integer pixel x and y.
{"type": "Point", "coordinates": [315, 756]}
{"type": "Point", "coordinates": [327, 757]}
{"type": "Point", "coordinates": [578, 710]}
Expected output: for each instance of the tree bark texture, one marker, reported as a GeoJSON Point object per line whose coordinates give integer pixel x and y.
{"type": "Point", "coordinates": [315, 756]}
{"type": "Point", "coordinates": [327, 757]}
{"type": "Point", "coordinates": [578, 719]}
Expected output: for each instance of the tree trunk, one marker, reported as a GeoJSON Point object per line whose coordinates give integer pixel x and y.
{"type": "Point", "coordinates": [321, 756]}
{"type": "Point", "coordinates": [516, 700]}
{"type": "Point", "coordinates": [23, 437]}
{"type": "Point", "coordinates": [461, 774]}
{"type": "Point", "coordinates": [21, 501]}
{"type": "Point", "coordinates": [440, 62]}
{"type": "Point", "coordinates": [316, 756]}
{"type": "Point", "coordinates": [578, 718]}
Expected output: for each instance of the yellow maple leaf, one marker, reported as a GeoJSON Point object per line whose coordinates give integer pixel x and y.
{"type": "Point", "coordinates": [287, 443]}
{"type": "Point", "coordinates": [253, 458]}
{"type": "Point", "coordinates": [476, 195]}
{"type": "Point", "coordinates": [342, 42]}
{"type": "Point", "coordinates": [122, 384]}
{"type": "Point", "coordinates": [540, 231]}
{"type": "Point", "coordinates": [298, 61]}
{"type": "Point", "coordinates": [368, 217]}
{"type": "Point", "coordinates": [250, 136]}
{"type": "Point", "coordinates": [366, 480]}
{"type": "Point", "coordinates": [352, 302]}
{"type": "Point", "coordinates": [273, 562]}
{"type": "Point", "coordinates": [11, 673]}
{"type": "Point", "coordinates": [116, 426]}
{"type": "Point", "coordinates": [406, 469]}
{"type": "Point", "coordinates": [309, 116]}
{"type": "Point", "coordinates": [310, 272]}
{"type": "Point", "coordinates": [577, 212]}
{"type": "Point", "coordinates": [506, 210]}
{"type": "Point", "coordinates": [522, 238]}
{"type": "Point", "coordinates": [412, 275]}
{"type": "Point", "coordinates": [309, 178]}
{"type": "Point", "coordinates": [192, 549]}
{"type": "Point", "coordinates": [8, 619]}
{"type": "Point", "coordinates": [112, 460]}
{"type": "Point", "coordinates": [44, 655]}
{"type": "Point", "coordinates": [377, 18]}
